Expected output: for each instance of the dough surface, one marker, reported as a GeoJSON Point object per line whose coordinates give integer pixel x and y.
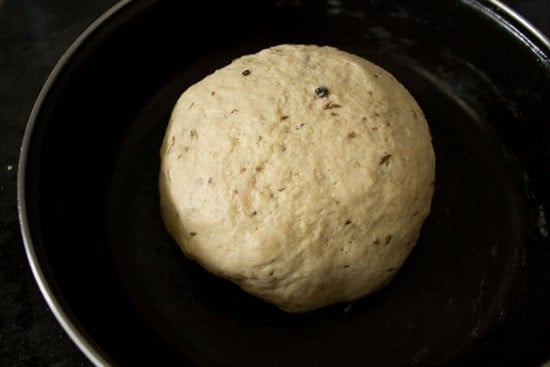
{"type": "Point", "coordinates": [301, 173]}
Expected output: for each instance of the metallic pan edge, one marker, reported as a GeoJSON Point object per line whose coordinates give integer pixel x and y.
{"type": "Point", "coordinates": [86, 346]}
{"type": "Point", "coordinates": [529, 35]}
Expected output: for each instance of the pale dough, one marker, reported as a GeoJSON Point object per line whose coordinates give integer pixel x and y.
{"type": "Point", "coordinates": [301, 173]}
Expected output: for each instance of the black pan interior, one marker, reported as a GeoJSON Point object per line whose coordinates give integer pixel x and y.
{"type": "Point", "coordinates": [475, 289]}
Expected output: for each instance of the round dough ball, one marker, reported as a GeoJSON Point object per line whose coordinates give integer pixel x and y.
{"type": "Point", "coordinates": [301, 173]}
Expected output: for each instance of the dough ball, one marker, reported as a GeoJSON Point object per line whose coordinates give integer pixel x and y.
{"type": "Point", "coordinates": [301, 173]}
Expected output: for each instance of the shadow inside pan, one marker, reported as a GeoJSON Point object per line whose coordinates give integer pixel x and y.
{"type": "Point", "coordinates": [458, 299]}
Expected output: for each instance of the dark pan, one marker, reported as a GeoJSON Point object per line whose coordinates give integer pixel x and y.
{"type": "Point", "coordinates": [475, 290]}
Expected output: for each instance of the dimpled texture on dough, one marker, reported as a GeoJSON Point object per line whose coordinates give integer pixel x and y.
{"type": "Point", "coordinates": [301, 200]}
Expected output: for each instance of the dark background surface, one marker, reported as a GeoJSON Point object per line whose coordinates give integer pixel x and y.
{"type": "Point", "coordinates": [33, 35]}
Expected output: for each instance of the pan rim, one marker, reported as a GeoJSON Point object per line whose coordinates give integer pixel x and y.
{"type": "Point", "coordinates": [517, 25]}
{"type": "Point", "coordinates": [499, 12]}
{"type": "Point", "coordinates": [84, 344]}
